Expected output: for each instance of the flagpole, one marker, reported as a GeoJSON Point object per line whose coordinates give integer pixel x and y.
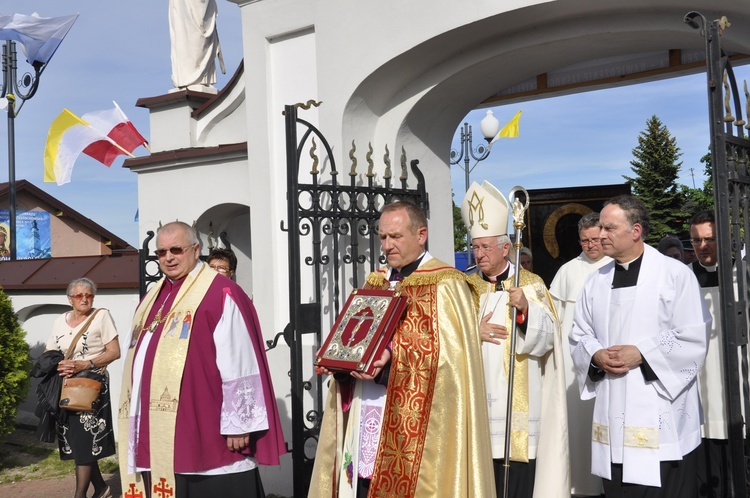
{"type": "Point", "coordinates": [51, 32]}
{"type": "Point", "coordinates": [123, 149]}
{"type": "Point", "coordinates": [10, 90]}
{"type": "Point", "coordinates": [15, 88]}
{"type": "Point", "coordinates": [11, 170]}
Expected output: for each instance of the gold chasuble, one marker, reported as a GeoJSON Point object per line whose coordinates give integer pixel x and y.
{"type": "Point", "coordinates": [166, 380]}
{"type": "Point", "coordinates": [435, 430]}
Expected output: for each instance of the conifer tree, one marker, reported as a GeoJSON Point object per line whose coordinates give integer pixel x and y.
{"type": "Point", "coordinates": [699, 199]}
{"type": "Point", "coordinates": [459, 229]}
{"type": "Point", "coordinates": [14, 365]}
{"type": "Point", "coordinates": [656, 169]}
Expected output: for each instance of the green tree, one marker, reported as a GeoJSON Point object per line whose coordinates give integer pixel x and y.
{"type": "Point", "coordinates": [459, 229]}
{"type": "Point", "coordinates": [14, 365]}
{"type": "Point", "coordinates": [656, 169]}
{"type": "Point", "coordinates": [699, 199]}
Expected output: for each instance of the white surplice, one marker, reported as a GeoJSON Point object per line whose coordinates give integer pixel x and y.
{"type": "Point", "coordinates": [636, 422]}
{"type": "Point", "coordinates": [565, 289]}
{"type": "Point", "coordinates": [711, 376]}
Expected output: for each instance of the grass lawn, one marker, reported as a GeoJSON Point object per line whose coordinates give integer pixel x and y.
{"type": "Point", "coordinates": [23, 458]}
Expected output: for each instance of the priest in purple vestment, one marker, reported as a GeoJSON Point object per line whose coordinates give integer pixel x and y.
{"type": "Point", "coordinates": [198, 412]}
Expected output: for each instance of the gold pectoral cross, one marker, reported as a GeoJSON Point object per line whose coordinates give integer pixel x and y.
{"type": "Point", "coordinates": [156, 321]}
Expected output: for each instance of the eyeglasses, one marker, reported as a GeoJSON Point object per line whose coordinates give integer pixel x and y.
{"type": "Point", "coordinates": [698, 240]}
{"type": "Point", "coordinates": [590, 242]}
{"type": "Point", "coordinates": [175, 250]}
{"type": "Point", "coordinates": [219, 268]}
{"type": "Point", "coordinates": [484, 249]}
{"type": "Point", "coordinates": [81, 295]}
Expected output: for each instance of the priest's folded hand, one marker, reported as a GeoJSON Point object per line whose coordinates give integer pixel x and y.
{"type": "Point", "coordinates": [618, 360]}
{"type": "Point", "coordinates": [630, 356]}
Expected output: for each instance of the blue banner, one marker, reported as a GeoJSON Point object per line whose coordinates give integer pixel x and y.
{"type": "Point", "coordinates": [33, 235]}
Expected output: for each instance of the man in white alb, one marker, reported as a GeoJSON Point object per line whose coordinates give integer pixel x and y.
{"type": "Point", "coordinates": [713, 454]}
{"type": "Point", "coordinates": [565, 289]}
{"type": "Point", "coordinates": [539, 445]}
{"type": "Point", "coordinates": [638, 340]}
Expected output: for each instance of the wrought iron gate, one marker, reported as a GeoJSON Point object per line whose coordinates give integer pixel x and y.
{"type": "Point", "coordinates": [331, 227]}
{"type": "Point", "coordinates": [730, 160]}
{"type": "Point", "coordinates": [148, 266]}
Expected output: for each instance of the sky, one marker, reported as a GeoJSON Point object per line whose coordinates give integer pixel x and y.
{"type": "Point", "coordinates": [116, 51]}
{"type": "Point", "coordinates": [588, 138]}
{"type": "Point", "coordinates": [119, 51]}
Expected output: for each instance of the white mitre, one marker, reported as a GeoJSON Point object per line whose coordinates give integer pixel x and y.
{"type": "Point", "coordinates": [485, 211]}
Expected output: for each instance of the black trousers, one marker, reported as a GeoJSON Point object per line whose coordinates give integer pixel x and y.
{"type": "Point", "coordinates": [677, 481]}
{"type": "Point", "coordinates": [520, 479]}
{"type": "Point", "coordinates": [241, 485]}
{"type": "Point", "coordinates": [713, 468]}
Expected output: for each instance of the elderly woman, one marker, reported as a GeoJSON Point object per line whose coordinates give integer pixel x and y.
{"type": "Point", "coordinates": [86, 437]}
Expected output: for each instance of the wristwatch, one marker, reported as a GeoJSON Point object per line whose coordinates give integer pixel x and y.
{"type": "Point", "coordinates": [91, 363]}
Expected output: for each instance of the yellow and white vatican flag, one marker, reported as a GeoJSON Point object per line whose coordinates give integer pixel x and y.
{"type": "Point", "coordinates": [510, 130]}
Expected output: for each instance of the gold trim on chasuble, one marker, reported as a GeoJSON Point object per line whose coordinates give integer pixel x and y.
{"type": "Point", "coordinates": [166, 381]}
{"type": "Point", "coordinates": [411, 385]}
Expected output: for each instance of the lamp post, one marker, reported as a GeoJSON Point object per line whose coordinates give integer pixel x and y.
{"type": "Point", "coordinates": [14, 89]}
{"type": "Point", "coordinates": [490, 126]}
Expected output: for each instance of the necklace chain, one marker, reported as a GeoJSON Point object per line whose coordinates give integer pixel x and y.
{"type": "Point", "coordinates": [158, 318]}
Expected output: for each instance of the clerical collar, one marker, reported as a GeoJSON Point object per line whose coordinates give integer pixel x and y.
{"type": "Point", "coordinates": [498, 280]}
{"type": "Point", "coordinates": [406, 270]}
{"type": "Point", "coordinates": [707, 275]}
{"type": "Point", "coordinates": [626, 274]}
{"type": "Point", "coordinates": [503, 275]}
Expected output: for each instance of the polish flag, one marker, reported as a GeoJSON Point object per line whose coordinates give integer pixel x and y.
{"type": "Point", "coordinates": [102, 135]}
{"type": "Point", "coordinates": [118, 129]}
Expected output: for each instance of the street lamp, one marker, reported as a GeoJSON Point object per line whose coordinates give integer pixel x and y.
{"type": "Point", "coordinates": [13, 89]}
{"type": "Point", "coordinates": [490, 127]}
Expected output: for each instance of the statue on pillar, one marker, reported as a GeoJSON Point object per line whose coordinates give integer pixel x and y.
{"type": "Point", "coordinates": [195, 44]}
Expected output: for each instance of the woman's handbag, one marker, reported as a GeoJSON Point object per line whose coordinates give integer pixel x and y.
{"type": "Point", "coordinates": [79, 393]}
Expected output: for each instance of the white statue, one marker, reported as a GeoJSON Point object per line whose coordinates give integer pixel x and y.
{"type": "Point", "coordinates": [195, 44]}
